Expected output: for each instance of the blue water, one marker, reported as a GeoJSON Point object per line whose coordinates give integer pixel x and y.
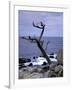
{"type": "Point", "coordinates": [28, 49]}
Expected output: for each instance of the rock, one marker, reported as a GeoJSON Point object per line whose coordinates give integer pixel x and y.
{"type": "Point", "coordinates": [58, 68]}
{"type": "Point", "coordinates": [21, 74]}
{"type": "Point", "coordinates": [52, 66]}
{"type": "Point", "coordinates": [26, 74]}
{"type": "Point", "coordinates": [44, 69]}
{"type": "Point", "coordinates": [60, 56]}
{"type": "Point", "coordinates": [24, 69]}
{"type": "Point", "coordinates": [44, 63]}
{"type": "Point", "coordinates": [39, 69]}
{"type": "Point", "coordinates": [60, 74]}
{"type": "Point", "coordinates": [51, 56]}
{"type": "Point", "coordinates": [51, 73]}
{"type": "Point", "coordinates": [20, 67]}
{"type": "Point", "coordinates": [30, 64]}
{"type": "Point", "coordinates": [36, 75]}
{"type": "Point", "coordinates": [53, 70]}
{"type": "Point", "coordinates": [30, 69]}
{"type": "Point", "coordinates": [34, 69]}
{"type": "Point", "coordinates": [45, 74]}
{"type": "Point", "coordinates": [21, 61]}
{"type": "Point", "coordinates": [28, 60]}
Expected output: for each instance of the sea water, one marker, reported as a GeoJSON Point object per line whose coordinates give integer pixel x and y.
{"type": "Point", "coordinates": [27, 49]}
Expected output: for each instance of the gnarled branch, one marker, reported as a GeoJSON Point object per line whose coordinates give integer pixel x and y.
{"type": "Point", "coordinates": [41, 26]}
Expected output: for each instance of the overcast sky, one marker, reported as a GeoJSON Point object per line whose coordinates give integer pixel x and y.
{"type": "Point", "coordinates": [53, 23]}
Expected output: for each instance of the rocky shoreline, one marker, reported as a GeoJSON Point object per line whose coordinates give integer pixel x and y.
{"type": "Point", "coordinates": [53, 70]}
{"type": "Point", "coordinates": [44, 71]}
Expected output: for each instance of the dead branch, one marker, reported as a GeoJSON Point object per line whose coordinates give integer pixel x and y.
{"type": "Point", "coordinates": [42, 26]}
{"type": "Point", "coordinates": [29, 38]}
{"type": "Point", "coordinates": [35, 40]}
{"type": "Point", "coordinates": [47, 45]}
{"type": "Point", "coordinates": [37, 26]}
{"type": "Point", "coordinates": [39, 42]}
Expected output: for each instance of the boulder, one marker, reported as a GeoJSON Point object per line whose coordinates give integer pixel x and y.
{"type": "Point", "coordinates": [36, 75]}
{"type": "Point", "coordinates": [44, 63]}
{"type": "Point", "coordinates": [44, 69]}
{"type": "Point", "coordinates": [21, 74]}
{"type": "Point", "coordinates": [34, 69]}
{"type": "Point", "coordinates": [51, 73]}
{"type": "Point", "coordinates": [52, 66]}
{"type": "Point", "coordinates": [21, 61]}
{"type": "Point", "coordinates": [30, 69]}
{"type": "Point", "coordinates": [24, 60]}
{"type": "Point", "coordinates": [60, 56]}
{"type": "Point", "coordinates": [26, 74]}
{"type": "Point", "coordinates": [60, 73]}
{"type": "Point", "coordinates": [28, 60]}
{"type": "Point", "coordinates": [30, 64]}
{"type": "Point", "coordinates": [58, 68]}
{"type": "Point", "coordinates": [39, 69]}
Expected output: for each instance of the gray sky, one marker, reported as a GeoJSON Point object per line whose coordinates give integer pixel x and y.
{"type": "Point", "coordinates": [52, 20]}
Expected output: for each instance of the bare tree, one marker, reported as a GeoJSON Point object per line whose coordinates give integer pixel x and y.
{"type": "Point", "coordinates": [42, 26]}
{"type": "Point", "coordinates": [39, 42]}
{"type": "Point", "coordinates": [47, 45]}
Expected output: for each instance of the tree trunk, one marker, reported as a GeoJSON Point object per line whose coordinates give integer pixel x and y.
{"type": "Point", "coordinates": [43, 51]}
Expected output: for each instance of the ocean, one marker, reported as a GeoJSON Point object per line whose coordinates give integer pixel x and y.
{"type": "Point", "coordinates": [28, 49]}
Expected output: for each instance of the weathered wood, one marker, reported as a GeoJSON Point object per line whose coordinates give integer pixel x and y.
{"type": "Point", "coordinates": [43, 51]}
{"type": "Point", "coordinates": [39, 46]}
{"type": "Point", "coordinates": [41, 26]}
{"type": "Point", "coordinates": [39, 42]}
